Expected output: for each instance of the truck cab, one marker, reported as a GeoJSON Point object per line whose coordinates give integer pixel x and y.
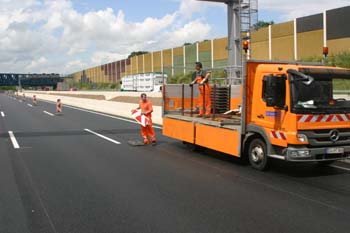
{"type": "Point", "coordinates": [296, 110]}
{"type": "Point", "coordinates": [288, 111]}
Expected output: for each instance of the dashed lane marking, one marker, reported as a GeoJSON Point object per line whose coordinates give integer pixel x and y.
{"type": "Point", "coordinates": [48, 113]}
{"type": "Point", "coordinates": [14, 140]}
{"type": "Point", "coordinates": [102, 136]}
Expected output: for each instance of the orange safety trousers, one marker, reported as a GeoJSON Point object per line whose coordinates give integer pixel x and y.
{"type": "Point", "coordinates": [204, 101]}
{"type": "Point", "coordinates": [148, 131]}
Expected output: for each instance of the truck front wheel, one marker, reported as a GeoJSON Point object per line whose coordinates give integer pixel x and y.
{"type": "Point", "coordinates": [257, 154]}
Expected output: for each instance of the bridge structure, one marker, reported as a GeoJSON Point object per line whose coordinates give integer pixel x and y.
{"type": "Point", "coordinates": [12, 79]}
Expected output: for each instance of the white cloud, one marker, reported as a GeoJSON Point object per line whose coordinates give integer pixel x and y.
{"type": "Point", "coordinates": [189, 7]}
{"type": "Point", "coordinates": [52, 36]}
{"type": "Point", "coordinates": [192, 31]}
{"type": "Point", "coordinates": [75, 65]}
{"type": "Point", "coordinates": [292, 9]}
{"type": "Point", "coordinates": [35, 64]}
{"type": "Point", "coordinates": [100, 58]}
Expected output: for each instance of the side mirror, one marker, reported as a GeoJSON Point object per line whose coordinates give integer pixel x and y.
{"type": "Point", "coordinates": [309, 81]}
{"type": "Point", "coordinates": [120, 82]}
{"type": "Point", "coordinates": [274, 91]}
{"type": "Point", "coordinates": [269, 90]}
{"type": "Point", "coordinates": [306, 79]}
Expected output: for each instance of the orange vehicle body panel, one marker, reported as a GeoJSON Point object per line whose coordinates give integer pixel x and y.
{"type": "Point", "coordinates": [219, 139]}
{"type": "Point", "coordinates": [235, 102]}
{"type": "Point", "coordinates": [180, 130]}
{"type": "Point", "coordinates": [176, 103]}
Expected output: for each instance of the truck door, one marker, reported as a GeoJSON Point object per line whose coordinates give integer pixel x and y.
{"type": "Point", "coordinates": [269, 105]}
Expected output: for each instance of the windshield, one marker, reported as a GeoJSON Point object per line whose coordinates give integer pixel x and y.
{"type": "Point", "coordinates": [320, 94]}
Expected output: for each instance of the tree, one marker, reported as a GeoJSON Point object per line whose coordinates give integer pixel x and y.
{"type": "Point", "coordinates": [138, 53]}
{"type": "Point", "coordinates": [263, 24]}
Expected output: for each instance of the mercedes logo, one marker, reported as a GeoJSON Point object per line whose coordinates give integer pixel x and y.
{"type": "Point", "coordinates": [334, 135]}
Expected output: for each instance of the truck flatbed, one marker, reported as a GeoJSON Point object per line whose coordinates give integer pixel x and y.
{"type": "Point", "coordinates": [232, 123]}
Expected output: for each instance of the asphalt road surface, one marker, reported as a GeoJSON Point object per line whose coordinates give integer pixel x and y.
{"type": "Point", "coordinates": [76, 173]}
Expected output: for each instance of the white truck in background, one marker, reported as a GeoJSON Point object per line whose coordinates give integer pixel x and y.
{"type": "Point", "coordinates": [148, 82]}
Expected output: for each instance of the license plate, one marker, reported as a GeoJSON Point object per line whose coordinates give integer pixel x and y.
{"type": "Point", "coordinates": [335, 150]}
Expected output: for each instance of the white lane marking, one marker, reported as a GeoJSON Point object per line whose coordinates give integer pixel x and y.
{"type": "Point", "coordinates": [2, 114]}
{"type": "Point", "coordinates": [339, 167]}
{"type": "Point", "coordinates": [30, 105]}
{"type": "Point", "coordinates": [101, 114]}
{"type": "Point", "coordinates": [48, 113]}
{"type": "Point", "coordinates": [102, 136]}
{"type": "Point", "coordinates": [13, 140]}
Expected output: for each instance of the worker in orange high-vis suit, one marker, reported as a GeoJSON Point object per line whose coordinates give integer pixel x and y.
{"type": "Point", "coordinates": [147, 132]}
{"type": "Point", "coordinates": [201, 77]}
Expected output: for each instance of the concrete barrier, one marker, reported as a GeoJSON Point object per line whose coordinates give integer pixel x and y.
{"type": "Point", "coordinates": [104, 106]}
{"type": "Point", "coordinates": [107, 94]}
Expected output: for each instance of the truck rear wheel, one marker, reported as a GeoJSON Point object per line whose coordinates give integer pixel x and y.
{"type": "Point", "coordinates": [193, 147]}
{"type": "Point", "coordinates": [257, 154]}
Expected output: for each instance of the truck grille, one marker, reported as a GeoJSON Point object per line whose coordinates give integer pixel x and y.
{"type": "Point", "coordinates": [327, 137]}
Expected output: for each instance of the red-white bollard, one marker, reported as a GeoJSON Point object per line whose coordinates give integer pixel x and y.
{"type": "Point", "coordinates": [58, 106]}
{"type": "Point", "coordinates": [34, 100]}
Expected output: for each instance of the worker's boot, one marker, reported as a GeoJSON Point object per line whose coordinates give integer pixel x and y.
{"type": "Point", "coordinates": [145, 141]}
{"type": "Point", "coordinates": [154, 141]}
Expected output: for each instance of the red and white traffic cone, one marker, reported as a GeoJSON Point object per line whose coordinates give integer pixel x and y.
{"type": "Point", "coordinates": [34, 100]}
{"type": "Point", "coordinates": [58, 106]}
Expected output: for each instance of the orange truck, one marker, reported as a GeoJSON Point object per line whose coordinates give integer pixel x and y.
{"type": "Point", "coordinates": [286, 111]}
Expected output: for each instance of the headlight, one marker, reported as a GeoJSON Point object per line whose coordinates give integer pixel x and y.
{"type": "Point", "coordinates": [302, 138]}
{"type": "Point", "coordinates": [299, 153]}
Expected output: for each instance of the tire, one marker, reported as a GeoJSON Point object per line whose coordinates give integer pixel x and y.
{"type": "Point", "coordinates": [325, 163]}
{"type": "Point", "coordinates": [257, 154]}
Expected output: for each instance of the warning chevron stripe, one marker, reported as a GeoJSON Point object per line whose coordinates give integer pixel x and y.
{"type": "Point", "coordinates": [278, 135]}
{"type": "Point", "coordinates": [323, 118]}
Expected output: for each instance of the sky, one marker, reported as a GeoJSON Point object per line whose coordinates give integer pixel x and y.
{"type": "Point", "coordinates": [64, 36]}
